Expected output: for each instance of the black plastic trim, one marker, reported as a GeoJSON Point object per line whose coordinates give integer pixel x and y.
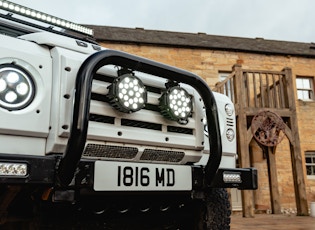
{"type": "Point", "coordinates": [248, 176]}
{"type": "Point", "coordinates": [82, 99]}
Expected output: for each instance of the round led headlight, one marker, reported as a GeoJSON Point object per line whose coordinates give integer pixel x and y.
{"type": "Point", "coordinates": [127, 93]}
{"type": "Point", "coordinates": [229, 109]}
{"type": "Point", "coordinates": [176, 104]}
{"type": "Point", "coordinates": [17, 88]}
{"type": "Point", "coordinates": [230, 134]}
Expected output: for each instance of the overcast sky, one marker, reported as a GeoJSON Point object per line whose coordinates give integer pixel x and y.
{"type": "Point", "coordinates": [289, 20]}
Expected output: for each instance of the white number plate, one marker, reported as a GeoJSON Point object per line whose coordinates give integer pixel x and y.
{"type": "Point", "coordinates": [123, 176]}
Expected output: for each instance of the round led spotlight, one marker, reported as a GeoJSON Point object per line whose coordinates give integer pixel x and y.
{"type": "Point", "coordinates": [127, 93]}
{"type": "Point", "coordinates": [229, 109]}
{"type": "Point", "coordinates": [230, 134]}
{"type": "Point", "coordinates": [176, 104]}
{"type": "Point", "coordinates": [17, 88]}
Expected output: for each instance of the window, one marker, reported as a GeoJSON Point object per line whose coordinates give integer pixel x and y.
{"type": "Point", "coordinates": [227, 86]}
{"type": "Point", "coordinates": [223, 75]}
{"type": "Point", "coordinates": [305, 88]}
{"type": "Point", "coordinates": [310, 163]}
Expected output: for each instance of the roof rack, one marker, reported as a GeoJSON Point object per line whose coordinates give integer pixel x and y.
{"type": "Point", "coordinates": [43, 17]}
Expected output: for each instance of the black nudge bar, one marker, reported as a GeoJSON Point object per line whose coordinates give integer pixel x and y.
{"type": "Point", "coordinates": [83, 88]}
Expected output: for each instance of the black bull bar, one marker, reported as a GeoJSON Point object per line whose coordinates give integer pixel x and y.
{"type": "Point", "coordinates": [83, 88]}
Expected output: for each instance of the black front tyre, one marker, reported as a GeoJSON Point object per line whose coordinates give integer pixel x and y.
{"type": "Point", "coordinates": [215, 211]}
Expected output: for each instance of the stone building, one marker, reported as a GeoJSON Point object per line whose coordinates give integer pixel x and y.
{"type": "Point", "coordinates": [212, 58]}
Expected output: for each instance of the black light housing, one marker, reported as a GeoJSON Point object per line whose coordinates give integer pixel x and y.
{"type": "Point", "coordinates": [176, 104]}
{"type": "Point", "coordinates": [127, 93]}
{"type": "Point", "coordinates": [43, 17]}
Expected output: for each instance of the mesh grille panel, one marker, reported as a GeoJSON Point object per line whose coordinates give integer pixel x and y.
{"type": "Point", "coordinates": [122, 152]}
{"type": "Point", "coordinates": [162, 155]}
{"type": "Point", "coordinates": [109, 151]}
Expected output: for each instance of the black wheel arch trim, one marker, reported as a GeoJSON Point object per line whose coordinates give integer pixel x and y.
{"type": "Point", "coordinates": [83, 88]}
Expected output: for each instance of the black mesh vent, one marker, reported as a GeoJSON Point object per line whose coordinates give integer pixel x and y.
{"type": "Point", "coordinates": [110, 151]}
{"type": "Point", "coordinates": [102, 119]}
{"type": "Point", "coordinates": [104, 78]}
{"type": "Point", "coordinates": [153, 89]}
{"type": "Point", "coordinates": [175, 129]}
{"type": "Point", "coordinates": [141, 124]}
{"type": "Point", "coordinates": [229, 122]}
{"type": "Point", "coordinates": [152, 107]}
{"type": "Point", "coordinates": [99, 97]}
{"type": "Point", "coordinates": [162, 155]}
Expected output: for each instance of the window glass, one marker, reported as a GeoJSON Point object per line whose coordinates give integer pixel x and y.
{"type": "Point", "coordinates": [299, 83]}
{"type": "Point", "coordinates": [305, 89]}
{"type": "Point", "coordinates": [227, 87]}
{"type": "Point", "coordinates": [310, 163]}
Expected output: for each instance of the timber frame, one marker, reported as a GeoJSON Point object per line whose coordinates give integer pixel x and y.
{"type": "Point", "coordinates": [254, 91]}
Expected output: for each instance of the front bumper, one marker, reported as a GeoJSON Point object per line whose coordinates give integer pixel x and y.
{"type": "Point", "coordinates": [42, 171]}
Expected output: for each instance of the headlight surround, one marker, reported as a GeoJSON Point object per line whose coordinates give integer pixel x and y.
{"type": "Point", "coordinates": [17, 88]}
{"type": "Point", "coordinates": [229, 110]}
{"type": "Point", "coordinates": [176, 104]}
{"type": "Point", "coordinates": [127, 93]}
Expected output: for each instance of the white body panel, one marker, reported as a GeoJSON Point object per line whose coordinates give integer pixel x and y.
{"type": "Point", "coordinates": [229, 153]}
{"type": "Point", "coordinates": [54, 63]}
{"type": "Point", "coordinates": [102, 133]}
{"type": "Point", "coordinates": [23, 145]}
{"type": "Point", "coordinates": [55, 40]}
{"type": "Point", "coordinates": [32, 121]}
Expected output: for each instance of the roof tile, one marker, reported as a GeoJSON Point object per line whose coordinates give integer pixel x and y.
{"type": "Point", "coordinates": [202, 40]}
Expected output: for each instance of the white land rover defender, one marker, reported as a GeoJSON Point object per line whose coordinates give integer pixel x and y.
{"type": "Point", "coordinates": [101, 139]}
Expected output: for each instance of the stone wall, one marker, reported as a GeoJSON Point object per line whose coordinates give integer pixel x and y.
{"type": "Point", "coordinates": [207, 64]}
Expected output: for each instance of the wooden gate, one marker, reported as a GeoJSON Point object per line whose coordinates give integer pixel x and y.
{"type": "Point", "coordinates": [264, 93]}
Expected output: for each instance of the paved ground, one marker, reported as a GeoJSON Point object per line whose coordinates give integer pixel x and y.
{"type": "Point", "coordinates": [276, 222]}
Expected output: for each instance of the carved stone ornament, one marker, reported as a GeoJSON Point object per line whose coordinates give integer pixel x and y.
{"type": "Point", "coordinates": [268, 128]}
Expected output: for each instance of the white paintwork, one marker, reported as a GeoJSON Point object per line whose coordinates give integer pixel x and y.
{"type": "Point", "coordinates": [64, 82]}
{"type": "Point", "coordinates": [46, 118]}
{"type": "Point", "coordinates": [32, 121]}
{"type": "Point", "coordinates": [23, 145]}
{"type": "Point", "coordinates": [229, 153]}
{"type": "Point", "coordinates": [222, 100]}
{"type": "Point", "coordinates": [55, 40]}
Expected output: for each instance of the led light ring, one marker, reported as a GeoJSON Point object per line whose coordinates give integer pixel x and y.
{"type": "Point", "coordinates": [176, 104]}
{"type": "Point", "coordinates": [17, 89]}
{"type": "Point", "coordinates": [127, 93]}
